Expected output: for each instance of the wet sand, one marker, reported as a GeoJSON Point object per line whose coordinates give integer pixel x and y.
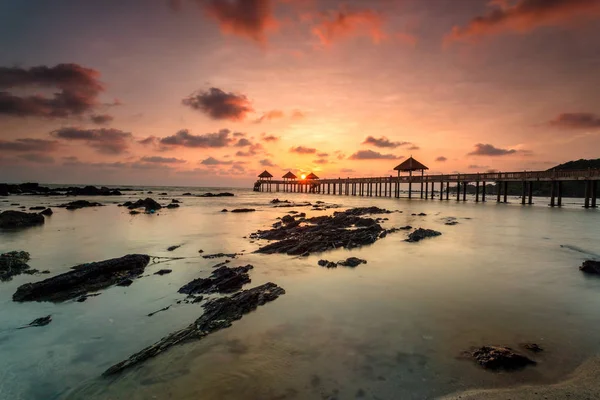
{"type": "Point", "coordinates": [583, 384]}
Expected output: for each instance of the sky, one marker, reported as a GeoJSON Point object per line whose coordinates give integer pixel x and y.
{"type": "Point", "coordinates": [213, 92]}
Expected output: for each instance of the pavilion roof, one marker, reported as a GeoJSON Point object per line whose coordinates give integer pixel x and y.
{"type": "Point", "coordinates": [289, 175]}
{"type": "Point", "coordinates": [410, 164]}
{"type": "Point", "coordinates": [311, 176]}
{"type": "Point", "coordinates": [265, 174]}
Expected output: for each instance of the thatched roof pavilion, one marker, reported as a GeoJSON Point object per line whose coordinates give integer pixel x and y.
{"type": "Point", "coordinates": [409, 165]}
{"type": "Point", "coordinates": [311, 176]}
{"type": "Point", "coordinates": [265, 175]}
{"type": "Point", "coordinates": [289, 175]}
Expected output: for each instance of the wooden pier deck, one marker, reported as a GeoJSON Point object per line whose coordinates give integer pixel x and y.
{"type": "Point", "coordinates": [438, 186]}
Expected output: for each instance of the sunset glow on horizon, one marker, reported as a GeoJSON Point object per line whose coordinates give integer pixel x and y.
{"type": "Point", "coordinates": [213, 92]}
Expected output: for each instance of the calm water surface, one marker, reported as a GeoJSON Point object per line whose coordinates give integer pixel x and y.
{"type": "Point", "coordinates": [393, 328]}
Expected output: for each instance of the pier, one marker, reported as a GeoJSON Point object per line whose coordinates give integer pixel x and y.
{"type": "Point", "coordinates": [432, 187]}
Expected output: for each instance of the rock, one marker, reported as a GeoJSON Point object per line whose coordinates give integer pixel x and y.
{"type": "Point", "coordinates": [327, 264]}
{"type": "Point", "coordinates": [405, 228]}
{"type": "Point", "coordinates": [364, 210]}
{"type": "Point", "coordinates": [277, 201]}
{"type": "Point", "coordinates": [218, 314]}
{"type": "Point", "coordinates": [200, 251]}
{"type": "Point", "coordinates": [220, 255]}
{"type": "Point", "coordinates": [420, 234]}
{"type": "Point", "coordinates": [19, 219]}
{"type": "Point", "coordinates": [222, 280]}
{"type": "Point", "coordinates": [37, 208]}
{"type": "Point", "coordinates": [451, 223]}
{"type": "Point", "coordinates": [171, 248]}
{"type": "Point", "coordinates": [590, 267]}
{"type": "Point", "coordinates": [13, 263]}
{"type": "Point", "coordinates": [175, 201]}
{"type": "Point", "coordinates": [148, 204]}
{"type": "Point", "coordinates": [83, 298]}
{"type": "Point", "coordinates": [533, 347]}
{"type": "Point", "coordinates": [77, 204]}
{"type": "Point", "coordinates": [47, 212]}
{"type": "Point", "coordinates": [163, 194]}
{"type": "Point", "coordinates": [187, 194]}
{"type": "Point", "coordinates": [224, 210]}
{"type": "Point", "coordinates": [162, 272]}
{"type": "Point", "coordinates": [162, 309]}
{"type": "Point", "coordinates": [287, 219]}
{"type": "Point", "coordinates": [495, 358]}
{"type": "Point", "coordinates": [225, 194]}
{"type": "Point", "coordinates": [134, 212]}
{"type": "Point", "coordinates": [42, 321]}
{"type": "Point", "coordinates": [173, 205]}
{"type": "Point", "coordinates": [150, 192]}
{"type": "Point", "coordinates": [422, 214]}
{"type": "Point", "coordinates": [243, 210]}
{"type": "Point", "coordinates": [92, 191]}
{"type": "Point", "coordinates": [125, 282]}
{"type": "Point", "coordinates": [352, 262]}
{"type": "Point", "coordinates": [84, 278]}
{"type": "Point", "coordinates": [344, 229]}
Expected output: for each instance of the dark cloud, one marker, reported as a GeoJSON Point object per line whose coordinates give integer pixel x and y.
{"type": "Point", "coordinates": [148, 140]}
{"type": "Point", "coordinates": [321, 161]}
{"type": "Point", "coordinates": [214, 161]}
{"type": "Point", "coordinates": [107, 141]}
{"type": "Point", "coordinates": [524, 16]}
{"type": "Point", "coordinates": [475, 166]}
{"type": "Point", "coordinates": [323, 154]}
{"type": "Point", "coordinates": [441, 159]}
{"type": "Point", "coordinates": [347, 170]}
{"type": "Point", "coordinates": [243, 142]}
{"type": "Point", "coordinates": [303, 150]}
{"type": "Point", "coordinates": [78, 86]}
{"type": "Point", "coordinates": [252, 151]}
{"type": "Point", "coordinates": [577, 121]}
{"type": "Point", "coordinates": [162, 160]}
{"type": "Point", "coordinates": [266, 163]}
{"type": "Point", "coordinates": [269, 116]}
{"type": "Point", "coordinates": [220, 105]}
{"type": "Point", "coordinates": [185, 139]}
{"type": "Point", "coordinates": [383, 142]}
{"type": "Point", "coordinates": [270, 138]}
{"type": "Point", "coordinates": [250, 19]}
{"type": "Point", "coordinates": [489, 150]}
{"type": "Point", "coordinates": [239, 134]}
{"type": "Point", "coordinates": [101, 119]}
{"type": "Point", "coordinates": [37, 158]}
{"type": "Point", "coordinates": [27, 144]}
{"type": "Point", "coordinates": [413, 147]}
{"type": "Point", "coordinates": [371, 155]}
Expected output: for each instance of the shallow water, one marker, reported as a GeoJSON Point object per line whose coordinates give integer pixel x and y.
{"type": "Point", "coordinates": [392, 328]}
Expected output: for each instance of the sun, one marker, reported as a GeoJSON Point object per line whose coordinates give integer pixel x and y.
{"type": "Point", "coordinates": [303, 176]}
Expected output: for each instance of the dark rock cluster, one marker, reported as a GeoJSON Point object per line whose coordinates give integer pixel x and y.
{"type": "Point", "coordinates": [18, 219]}
{"type": "Point", "coordinates": [222, 280]}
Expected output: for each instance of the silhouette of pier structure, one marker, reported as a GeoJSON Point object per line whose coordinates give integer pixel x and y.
{"type": "Point", "coordinates": [437, 186]}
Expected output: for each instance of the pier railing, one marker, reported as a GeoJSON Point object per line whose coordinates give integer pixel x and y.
{"type": "Point", "coordinates": [389, 186]}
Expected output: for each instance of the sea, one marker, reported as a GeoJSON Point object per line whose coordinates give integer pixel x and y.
{"type": "Point", "coordinates": [396, 327]}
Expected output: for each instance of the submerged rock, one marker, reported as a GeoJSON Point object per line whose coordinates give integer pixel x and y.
{"type": "Point", "coordinates": [222, 280]}
{"type": "Point", "coordinates": [364, 210]}
{"type": "Point", "coordinates": [224, 194]}
{"type": "Point", "coordinates": [352, 262]}
{"type": "Point", "coordinates": [317, 234]}
{"type": "Point", "coordinates": [148, 203]}
{"type": "Point", "coordinates": [495, 358]}
{"type": "Point", "coordinates": [243, 210]}
{"type": "Point", "coordinates": [93, 191]}
{"type": "Point", "coordinates": [13, 263]}
{"type": "Point", "coordinates": [220, 255]}
{"type": "Point", "coordinates": [420, 234]}
{"type": "Point", "coordinates": [47, 212]}
{"type": "Point", "coordinates": [173, 205]}
{"type": "Point", "coordinates": [19, 219]}
{"type": "Point", "coordinates": [171, 248]}
{"type": "Point", "coordinates": [590, 267]}
{"type": "Point", "coordinates": [163, 272]}
{"type": "Point", "coordinates": [42, 321]}
{"type": "Point", "coordinates": [533, 347]}
{"type": "Point", "coordinates": [218, 314]}
{"type": "Point", "coordinates": [37, 208]}
{"type": "Point", "coordinates": [77, 204]}
{"type": "Point", "coordinates": [84, 278]}
{"type": "Point", "coordinates": [327, 264]}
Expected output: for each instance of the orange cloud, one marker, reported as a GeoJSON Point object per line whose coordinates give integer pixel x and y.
{"type": "Point", "coordinates": [344, 23]}
{"type": "Point", "coordinates": [524, 16]}
{"type": "Point", "coordinates": [250, 19]}
{"type": "Point", "coordinates": [269, 116]}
